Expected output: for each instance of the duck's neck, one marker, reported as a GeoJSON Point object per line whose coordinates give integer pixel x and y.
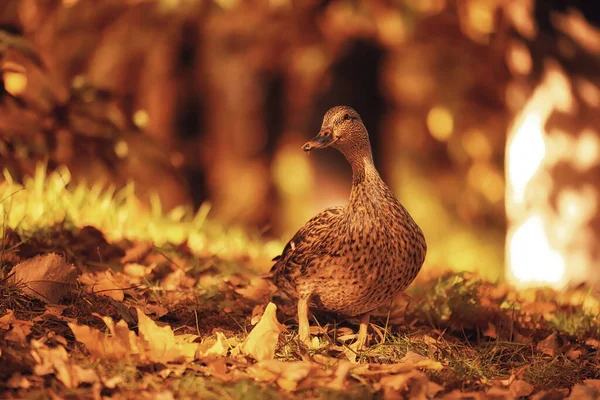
{"type": "Point", "coordinates": [365, 178]}
{"type": "Point", "coordinates": [363, 170]}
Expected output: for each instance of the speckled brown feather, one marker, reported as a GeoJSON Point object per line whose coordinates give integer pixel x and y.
{"type": "Point", "coordinates": [352, 259]}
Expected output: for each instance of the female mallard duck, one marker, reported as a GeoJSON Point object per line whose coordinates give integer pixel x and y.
{"type": "Point", "coordinates": [351, 259]}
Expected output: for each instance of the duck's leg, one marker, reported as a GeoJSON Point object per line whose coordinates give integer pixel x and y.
{"type": "Point", "coordinates": [303, 326]}
{"type": "Point", "coordinates": [362, 331]}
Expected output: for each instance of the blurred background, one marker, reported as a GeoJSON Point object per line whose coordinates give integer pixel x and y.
{"type": "Point", "coordinates": [483, 114]}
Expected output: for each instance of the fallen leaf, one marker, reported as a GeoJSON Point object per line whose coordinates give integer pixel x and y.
{"type": "Point", "coordinates": [154, 343]}
{"type": "Point", "coordinates": [102, 346]}
{"type": "Point", "coordinates": [413, 385]}
{"type": "Point", "coordinates": [48, 277]}
{"type": "Point", "coordinates": [218, 346]}
{"type": "Point", "coordinates": [286, 374]}
{"type": "Point", "coordinates": [595, 343]}
{"type": "Point", "coordinates": [7, 319]}
{"type": "Point", "coordinates": [155, 308]}
{"type": "Point", "coordinates": [137, 272]}
{"type": "Point", "coordinates": [583, 392]}
{"type": "Point", "coordinates": [262, 340]}
{"type": "Point", "coordinates": [162, 343]}
{"type": "Point", "coordinates": [105, 283]}
{"type": "Point", "coordinates": [19, 331]}
{"type": "Point", "coordinates": [491, 331]}
{"type": "Point", "coordinates": [176, 280]}
{"type": "Point", "coordinates": [257, 313]}
{"type": "Point", "coordinates": [548, 346]}
{"type": "Point", "coordinates": [137, 252]}
{"type": "Point", "coordinates": [350, 351]}
{"type": "Point", "coordinates": [594, 383]}
{"type": "Point", "coordinates": [521, 338]}
{"type": "Point", "coordinates": [257, 289]}
{"type": "Point", "coordinates": [550, 394]}
{"type": "Point", "coordinates": [339, 378]}
{"type": "Point", "coordinates": [520, 388]}
{"type": "Point", "coordinates": [433, 389]}
{"type": "Point", "coordinates": [18, 381]}
{"type": "Point", "coordinates": [575, 353]}
{"type": "Point", "coordinates": [545, 308]}
{"type": "Point", "coordinates": [56, 361]}
{"type": "Point", "coordinates": [164, 395]}
{"type": "Point", "coordinates": [412, 358]}
{"type": "Point", "coordinates": [112, 382]}
{"type": "Point", "coordinates": [498, 393]}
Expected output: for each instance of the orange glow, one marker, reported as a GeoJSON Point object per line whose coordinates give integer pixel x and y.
{"type": "Point", "coordinates": [477, 145]}
{"type": "Point", "coordinates": [440, 123]}
{"type": "Point", "coordinates": [575, 25]}
{"type": "Point", "coordinates": [589, 93]}
{"type": "Point", "coordinates": [547, 244]}
{"type": "Point", "coordinates": [519, 59]}
{"type": "Point", "coordinates": [15, 79]}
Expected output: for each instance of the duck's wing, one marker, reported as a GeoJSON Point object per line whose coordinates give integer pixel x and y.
{"type": "Point", "coordinates": [307, 243]}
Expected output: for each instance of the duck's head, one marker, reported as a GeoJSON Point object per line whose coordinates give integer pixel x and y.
{"type": "Point", "coordinates": [342, 129]}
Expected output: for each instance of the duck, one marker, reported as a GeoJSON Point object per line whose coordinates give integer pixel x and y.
{"type": "Point", "coordinates": [351, 259]}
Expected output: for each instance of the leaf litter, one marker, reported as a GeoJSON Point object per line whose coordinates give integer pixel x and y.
{"type": "Point", "coordinates": [133, 320]}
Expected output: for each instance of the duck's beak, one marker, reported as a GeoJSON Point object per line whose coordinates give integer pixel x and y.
{"type": "Point", "coordinates": [324, 139]}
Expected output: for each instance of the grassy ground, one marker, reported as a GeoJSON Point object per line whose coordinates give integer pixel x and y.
{"type": "Point", "coordinates": [453, 335]}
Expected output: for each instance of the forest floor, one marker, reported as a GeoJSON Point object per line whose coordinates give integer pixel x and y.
{"type": "Point", "coordinates": [83, 316]}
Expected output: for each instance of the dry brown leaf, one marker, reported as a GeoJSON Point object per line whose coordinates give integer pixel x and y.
{"type": "Point", "coordinates": [18, 381]}
{"type": "Point", "coordinates": [544, 308]}
{"type": "Point", "coordinates": [7, 319]}
{"type": "Point", "coordinates": [258, 289]}
{"type": "Point", "coordinates": [154, 343]}
{"type": "Point", "coordinates": [56, 361]}
{"type": "Point", "coordinates": [48, 277]}
{"type": "Point", "coordinates": [584, 392]}
{"type": "Point", "coordinates": [137, 272]}
{"type": "Point", "coordinates": [594, 383]}
{"type": "Point", "coordinates": [164, 395]}
{"type": "Point", "coordinates": [18, 329]}
{"type": "Point", "coordinates": [498, 393]}
{"type": "Point", "coordinates": [157, 309]}
{"type": "Point", "coordinates": [287, 374]}
{"type": "Point", "coordinates": [595, 343]}
{"type": "Point", "coordinates": [350, 351]}
{"type": "Point", "coordinates": [176, 280]}
{"type": "Point", "coordinates": [217, 346]}
{"type": "Point", "coordinates": [137, 252]}
{"type": "Point", "coordinates": [102, 346]}
{"type": "Point", "coordinates": [413, 385]}
{"type": "Point", "coordinates": [520, 388]}
{"type": "Point", "coordinates": [401, 367]}
{"type": "Point", "coordinates": [105, 283]}
{"type": "Point", "coordinates": [491, 331]}
{"type": "Point", "coordinates": [521, 338]}
{"type": "Point", "coordinates": [412, 358]}
{"type": "Point", "coordinates": [257, 313]}
{"type": "Point", "coordinates": [162, 343]}
{"type": "Point", "coordinates": [112, 382]}
{"type": "Point", "coordinates": [341, 372]}
{"type": "Point", "coordinates": [551, 394]}
{"type": "Point", "coordinates": [262, 340]}
{"type": "Point", "coordinates": [433, 389]}
{"type": "Point", "coordinates": [575, 353]}
{"type": "Point", "coordinates": [549, 345]}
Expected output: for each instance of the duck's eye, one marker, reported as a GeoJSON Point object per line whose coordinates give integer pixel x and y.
{"type": "Point", "coordinates": [347, 117]}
